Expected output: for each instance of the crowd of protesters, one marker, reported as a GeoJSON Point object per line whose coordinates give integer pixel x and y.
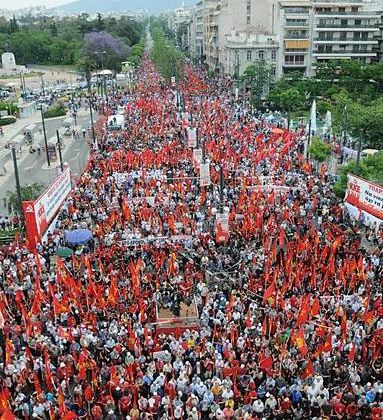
{"type": "Point", "coordinates": [290, 305]}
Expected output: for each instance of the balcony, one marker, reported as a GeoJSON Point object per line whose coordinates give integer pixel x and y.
{"type": "Point", "coordinates": [346, 27]}
{"type": "Point", "coordinates": [291, 11]}
{"type": "Point", "coordinates": [339, 2]}
{"type": "Point", "coordinates": [350, 53]}
{"type": "Point", "coordinates": [287, 36]}
{"type": "Point", "coordinates": [296, 24]}
{"type": "Point", "coordinates": [294, 64]}
{"type": "Point", "coordinates": [338, 40]}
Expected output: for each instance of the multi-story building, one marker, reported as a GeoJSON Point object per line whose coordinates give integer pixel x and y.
{"type": "Point", "coordinates": [197, 32]}
{"type": "Point", "coordinates": [343, 30]}
{"type": "Point", "coordinates": [295, 23]}
{"type": "Point", "coordinates": [211, 24]}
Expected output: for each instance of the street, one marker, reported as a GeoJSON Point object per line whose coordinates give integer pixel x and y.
{"type": "Point", "coordinates": [33, 167]}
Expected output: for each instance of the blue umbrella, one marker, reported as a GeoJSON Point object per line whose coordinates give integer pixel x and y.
{"type": "Point", "coordinates": [78, 236]}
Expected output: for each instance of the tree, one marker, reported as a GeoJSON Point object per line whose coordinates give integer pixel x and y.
{"type": "Point", "coordinates": [28, 193]}
{"type": "Point", "coordinates": [53, 29]}
{"type": "Point", "coordinates": [370, 168]}
{"type": "Point", "coordinates": [13, 25]}
{"type": "Point", "coordinates": [168, 60]}
{"type": "Point", "coordinates": [105, 49]}
{"type": "Point", "coordinates": [99, 25]}
{"type": "Point", "coordinates": [319, 150]}
{"type": "Point", "coordinates": [257, 77]}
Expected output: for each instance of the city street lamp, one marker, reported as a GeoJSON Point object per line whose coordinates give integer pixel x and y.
{"type": "Point", "coordinates": [45, 136]}
{"type": "Point", "coordinates": [17, 179]}
{"type": "Point", "coordinates": [59, 149]}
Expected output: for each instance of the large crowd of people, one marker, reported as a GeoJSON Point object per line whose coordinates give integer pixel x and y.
{"type": "Point", "coordinates": [290, 315]}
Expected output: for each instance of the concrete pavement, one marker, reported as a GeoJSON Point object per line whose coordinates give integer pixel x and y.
{"type": "Point", "coordinates": [33, 167]}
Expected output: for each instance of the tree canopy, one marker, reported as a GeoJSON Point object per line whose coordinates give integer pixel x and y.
{"type": "Point", "coordinates": [47, 40]}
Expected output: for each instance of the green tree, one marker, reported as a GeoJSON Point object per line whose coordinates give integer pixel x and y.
{"type": "Point", "coordinates": [13, 25]}
{"type": "Point", "coordinates": [100, 24]}
{"type": "Point", "coordinates": [53, 29]}
{"type": "Point", "coordinates": [319, 150]}
{"type": "Point", "coordinates": [257, 78]}
{"type": "Point", "coordinates": [370, 168]}
{"type": "Point", "coordinates": [28, 193]}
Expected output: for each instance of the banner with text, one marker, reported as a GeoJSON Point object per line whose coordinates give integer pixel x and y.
{"type": "Point", "coordinates": [366, 196]}
{"type": "Point", "coordinates": [39, 213]}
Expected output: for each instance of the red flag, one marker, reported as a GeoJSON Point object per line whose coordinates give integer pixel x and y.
{"type": "Point", "coordinates": [315, 308]}
{"type": "Point", "coordinates": [351, 355]}
{"type": "Point", "coordinates": [266, 363]}
{"type": "Point", "coordinates": [301, 343]}
{"type": "Point", "coordinates": [8, 415]}
{"type": "Point", "coordinates": [328, 344]}
{"type": "Point", "coordinates": [269, 292]}
{"type": "Point", "coordinates": [309, 370]}
{"type": "Point", "coordinates": [303, 314]}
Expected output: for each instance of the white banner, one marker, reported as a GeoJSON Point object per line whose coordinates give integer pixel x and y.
{"type": "Point", "coordinates": [192, 137]}
{"type": "Point", "coordinates": [364, 195]}
{"type": "Point", "coordinates": [197, 157]}
{"type": "Point", "coordinates": [204, 173]}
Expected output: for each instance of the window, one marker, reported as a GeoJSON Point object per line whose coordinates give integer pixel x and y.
{"type": "Point", "coordinates": [248, 19]}
{"type": "Point", "coordinates": [354, 9]}
{"type": "Point", "coordinates": [248, 55]}
{"type": "Point", "coordinates": [358, 22]}
{"type": "Point", "coordinates": [343, 36]}
{"type": "Point", "coordinates": [328, 48]}
{"type": "Point", "coordinates": [261, 54]}
{"type": "Point", "coordinates": [343, 22]}
{"type": "Point", "coordinates": [273, 55]}
{"type": "Point", "coordinates": [273, 71]}
{"type": "Point", "coordinates": [364, 36]}
{"type": "Point", "coordinates": [342, 9]}
{"type": "Point", "coordinates": [342, 47]}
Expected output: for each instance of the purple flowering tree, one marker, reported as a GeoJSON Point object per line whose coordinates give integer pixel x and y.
{"type": "Point", "coordinates": [104, 50]}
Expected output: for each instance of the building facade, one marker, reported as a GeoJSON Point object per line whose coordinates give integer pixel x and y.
{"type": "Point", "coordinates": [291, 35]}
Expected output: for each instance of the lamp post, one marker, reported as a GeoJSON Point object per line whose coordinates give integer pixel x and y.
{"type": "Point", "coordinates": [359, 148]}
{"type": "Point", "coordinates": [42, 83]}
{"type": "Point", "coordinates": [45, 136]}
{"type": "Point", "coordinates": [17, 179]}
{"type": "Point", "coordinates": [59, 149]}
{"type": "Point", "coordinates": [90, 106]}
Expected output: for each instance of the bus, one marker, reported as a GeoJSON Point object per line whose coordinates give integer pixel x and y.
{"type": "Point", "coordinates": [116, 123]}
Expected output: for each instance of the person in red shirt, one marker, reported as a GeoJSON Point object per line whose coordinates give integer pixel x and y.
{"type": "Point", "coordinates": [340, 409]}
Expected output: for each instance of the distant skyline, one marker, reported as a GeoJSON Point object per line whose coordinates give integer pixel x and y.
{"type": "Point", "coordinates": [20, 4]}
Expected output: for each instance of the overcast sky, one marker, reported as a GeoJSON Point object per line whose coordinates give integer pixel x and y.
{"type": "Point", "coordinates": [17, 4]}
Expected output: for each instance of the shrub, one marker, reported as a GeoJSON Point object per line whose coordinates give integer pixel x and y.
{"type": "Point", "coordinates": [7, 120]}
{"type": "Point", "coordinates": [57, 110]}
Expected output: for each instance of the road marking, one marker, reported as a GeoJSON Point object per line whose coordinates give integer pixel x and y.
{"type": "Point", "coordinates": [28, 168]}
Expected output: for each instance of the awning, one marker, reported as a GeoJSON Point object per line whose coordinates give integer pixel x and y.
{"type": "Point", "coordinates": [297, 43]}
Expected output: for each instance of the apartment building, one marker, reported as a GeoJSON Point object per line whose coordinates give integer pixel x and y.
{"type": "Point", "coordinates": [342, 29]}
{"type": "Point", "coordinates": [295, 23]}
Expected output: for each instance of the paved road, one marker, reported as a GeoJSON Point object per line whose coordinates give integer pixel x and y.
{"type": "Point", "coordinates": [33, 168]}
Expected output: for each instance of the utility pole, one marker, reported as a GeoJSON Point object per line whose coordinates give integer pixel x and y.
{"type": "Point", "coordinates": [42, 83]}
{"type": "Point", "coordinates": [344, 133]}
{"type": "Point", "coordinates": [59, 149]}
{"type": "Point", "coordinates": [45, 136]}
{"type": "Point", "coordinates": [17, 179]}
{"type": "Point", "coordinates": [90, 107]}
{"type": "Point", "coordinates": [359, 149]}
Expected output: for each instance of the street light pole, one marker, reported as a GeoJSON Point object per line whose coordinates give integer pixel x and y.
{"type": "Point", "coordinates": [42, 83]}
{"type": "Point", "coordinates": [17, 179]}
{"type": "Point", "coordinates": [90, 109]}
{"type": "Point", "coordinates": [359, 149]}
{"type": "Point", "coordinates": [45, 137]}
{"type": "Point", "coordinates": [59, 149]}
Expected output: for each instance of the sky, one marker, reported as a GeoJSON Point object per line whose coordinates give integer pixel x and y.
{"type": "Point", "coordinates": [17, 4]}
